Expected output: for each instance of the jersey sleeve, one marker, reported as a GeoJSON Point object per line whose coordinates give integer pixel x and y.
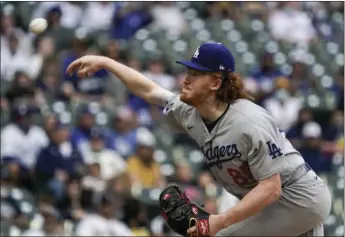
{"type": "Point", "coordinates": [174, 112]}
{"type": "Point", "coordinates": [264, 150]}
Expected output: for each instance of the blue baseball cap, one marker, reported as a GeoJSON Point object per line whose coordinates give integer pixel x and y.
{"type": "Point", "coordinates": [211, 57]}
{"type": "Point", "coordinates": [97, 133]}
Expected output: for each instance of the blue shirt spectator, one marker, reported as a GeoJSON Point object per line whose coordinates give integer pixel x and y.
{"type": "Point", "coordinates": [266, 72]}
{"type": "Point", "coordinates": [123, 136]}
{"type": "Point", "coordinates": [60, 154]}
{"type": "Point", "coordinates": [58, 162]}
{"type": "Point", "coordinates": [86, 120]}
{"type": "Point", "coordinates": [311, 148]}
{"type": "Point", "coordinates": [93, 85]}
{"type": "Point", "coordinates": [265, 76]}
{"type": "Point", "coordinates": [126, 24]}
{"type": "Point", "coordinates": [294, 134]}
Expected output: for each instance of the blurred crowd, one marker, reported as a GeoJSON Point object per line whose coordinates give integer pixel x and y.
{"type": "Point", "coordinates": [77, 156]}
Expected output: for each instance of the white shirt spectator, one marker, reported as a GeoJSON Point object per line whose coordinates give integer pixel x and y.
{"type": "Point", "coordinates": [111, 163]}
{"type": "Point", "coordinates": [96, 225]}
{"type": "Point", "coordinates": [25, 41]}
{"type": "Point", "coordinates": [25, 147]}
{"type": "Point", "coordinates": [164, 80]}
{"type": "Point", "coordinates": [169, 17]}
{"type": "Point", "coordinates": [284, 109]}
{"type": "Point", "coordinates": [11, 63]}
{"type": "Point", "coordinates": [98, 16]}
{"type": "Point", "coordinates": [291, 25]}
{"type": "Point", "coordinates": [71, 13]}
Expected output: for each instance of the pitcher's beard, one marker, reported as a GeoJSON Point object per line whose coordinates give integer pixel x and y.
{"type": "Point", "coordinates": [193, 100]}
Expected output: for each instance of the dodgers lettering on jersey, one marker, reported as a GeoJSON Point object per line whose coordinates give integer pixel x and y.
{"type": "Point", "coordinates": [244, 147]}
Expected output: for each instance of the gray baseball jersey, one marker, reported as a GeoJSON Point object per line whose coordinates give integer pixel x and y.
{"type": "Point", "coordinates": [246, 146]}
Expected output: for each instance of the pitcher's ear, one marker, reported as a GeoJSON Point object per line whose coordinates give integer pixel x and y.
{"type": "Point", "coordinates": [216, 83]}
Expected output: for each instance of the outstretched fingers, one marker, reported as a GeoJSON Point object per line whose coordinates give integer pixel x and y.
{"type": "Point", "coordinates": [76, 65]}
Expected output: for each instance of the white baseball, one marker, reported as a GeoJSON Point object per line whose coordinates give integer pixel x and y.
{"type": "Point", "coordinates": [38, 25]}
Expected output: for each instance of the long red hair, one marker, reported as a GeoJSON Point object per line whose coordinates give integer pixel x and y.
{"type": "Point", "coordinates": [232, 88]}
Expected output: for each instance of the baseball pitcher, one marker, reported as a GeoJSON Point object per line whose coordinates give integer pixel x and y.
{"type": "Point", "coordinates": [246, 152]}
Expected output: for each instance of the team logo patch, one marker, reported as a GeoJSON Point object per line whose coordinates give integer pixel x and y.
{"type": "Point", "coordinates": [196, 54]}
{"type": "Point", "coordinates": [203, 227]}
{"type": "Point", "coordinates": [166, 196]}
{"type": "Point", "coordinates": [195, 210]}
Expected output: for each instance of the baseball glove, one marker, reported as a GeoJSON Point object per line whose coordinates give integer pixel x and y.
{"type": "Point", "coordinates": [181, 214]}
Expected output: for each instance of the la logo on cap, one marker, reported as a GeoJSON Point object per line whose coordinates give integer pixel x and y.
{"type": "Point", "coordinates": [196, 54]}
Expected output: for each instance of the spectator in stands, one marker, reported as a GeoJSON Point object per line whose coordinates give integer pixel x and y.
{"type": "Point", "coordinates": [21, 88]}
{"type": "Point", "coordinates": [221, 10]}
{"type": "Point", "coordinates": [58, 162]}
{"type": "Point", "coordinates": [52, 226]}
{"type": "Point", "coordinates": [92, 185]}
{"type": "Point", "coordinates": [123, 135]}
{"type": "Point", "coordinates": [311, 148]}
{"type": "Point", "coordinates": [62, 35]}
{"type": "Point", "coordinates": [44, 48]}
{"type": "Point", "coordinates": [167, 16]}
{"type": "Point", "coordinates": [129, 17]}
{"type": "Point", "coordinates": [103, 221]}
{"type": "Point", "coordinates": [71, 12]}
{"type": "Point", "coordinates": [120, 186]}
{"type": "Point", "coordinates": [70, 206]}
{"type": "Point", "coordinates": [338, 89]}
{"type": "Point", "coordinates": [302, 78]}
{"type": "Point", "coordinates": [135, 217]}
{"type": "Point", "coordinates": [116, 91]}
{"type": "Point", "coordinates": [98, 16]}
{"type": "Point", "coordinates": [265, 77]}
{"type": "Point", "coordinates": [185, 179]}
{"type": "Point", "coordinates": [80, 135]}
{"type": "Point", "coordinates": [49, 87]}
{"type": "Point", "coordinates": [284, 107]}
{"type": "Point", "coordinates": [294, 134]}
{"type": "Point", "coordinates": [290, 24]}
{"type": "Point", "coordinates": [331, 134]}
{"type": "Point", "coordinates": [110, 162]}
{"type": "Point", "coordinates": [255, 10]}
{"type": "Point", "coordinates": [88, 89]}
{"type": "Point", "coordinates": [142, 167]}
{"type": "Point", "coordinates": [21, 140]}
{"type": "Point", "coordinates": [157, 72]}
{"type": "Point", "coordinates": [13, 58]}
{"type": "Point", "coordinates": [10, 26]}
{"type": "Point", "coordinates": [12, 208]}
{"type": "Point", "coordinates": [49, 122]}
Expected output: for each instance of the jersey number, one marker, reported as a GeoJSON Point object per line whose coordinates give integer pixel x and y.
{"type": "Point", "coordinates": [239, 175]}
